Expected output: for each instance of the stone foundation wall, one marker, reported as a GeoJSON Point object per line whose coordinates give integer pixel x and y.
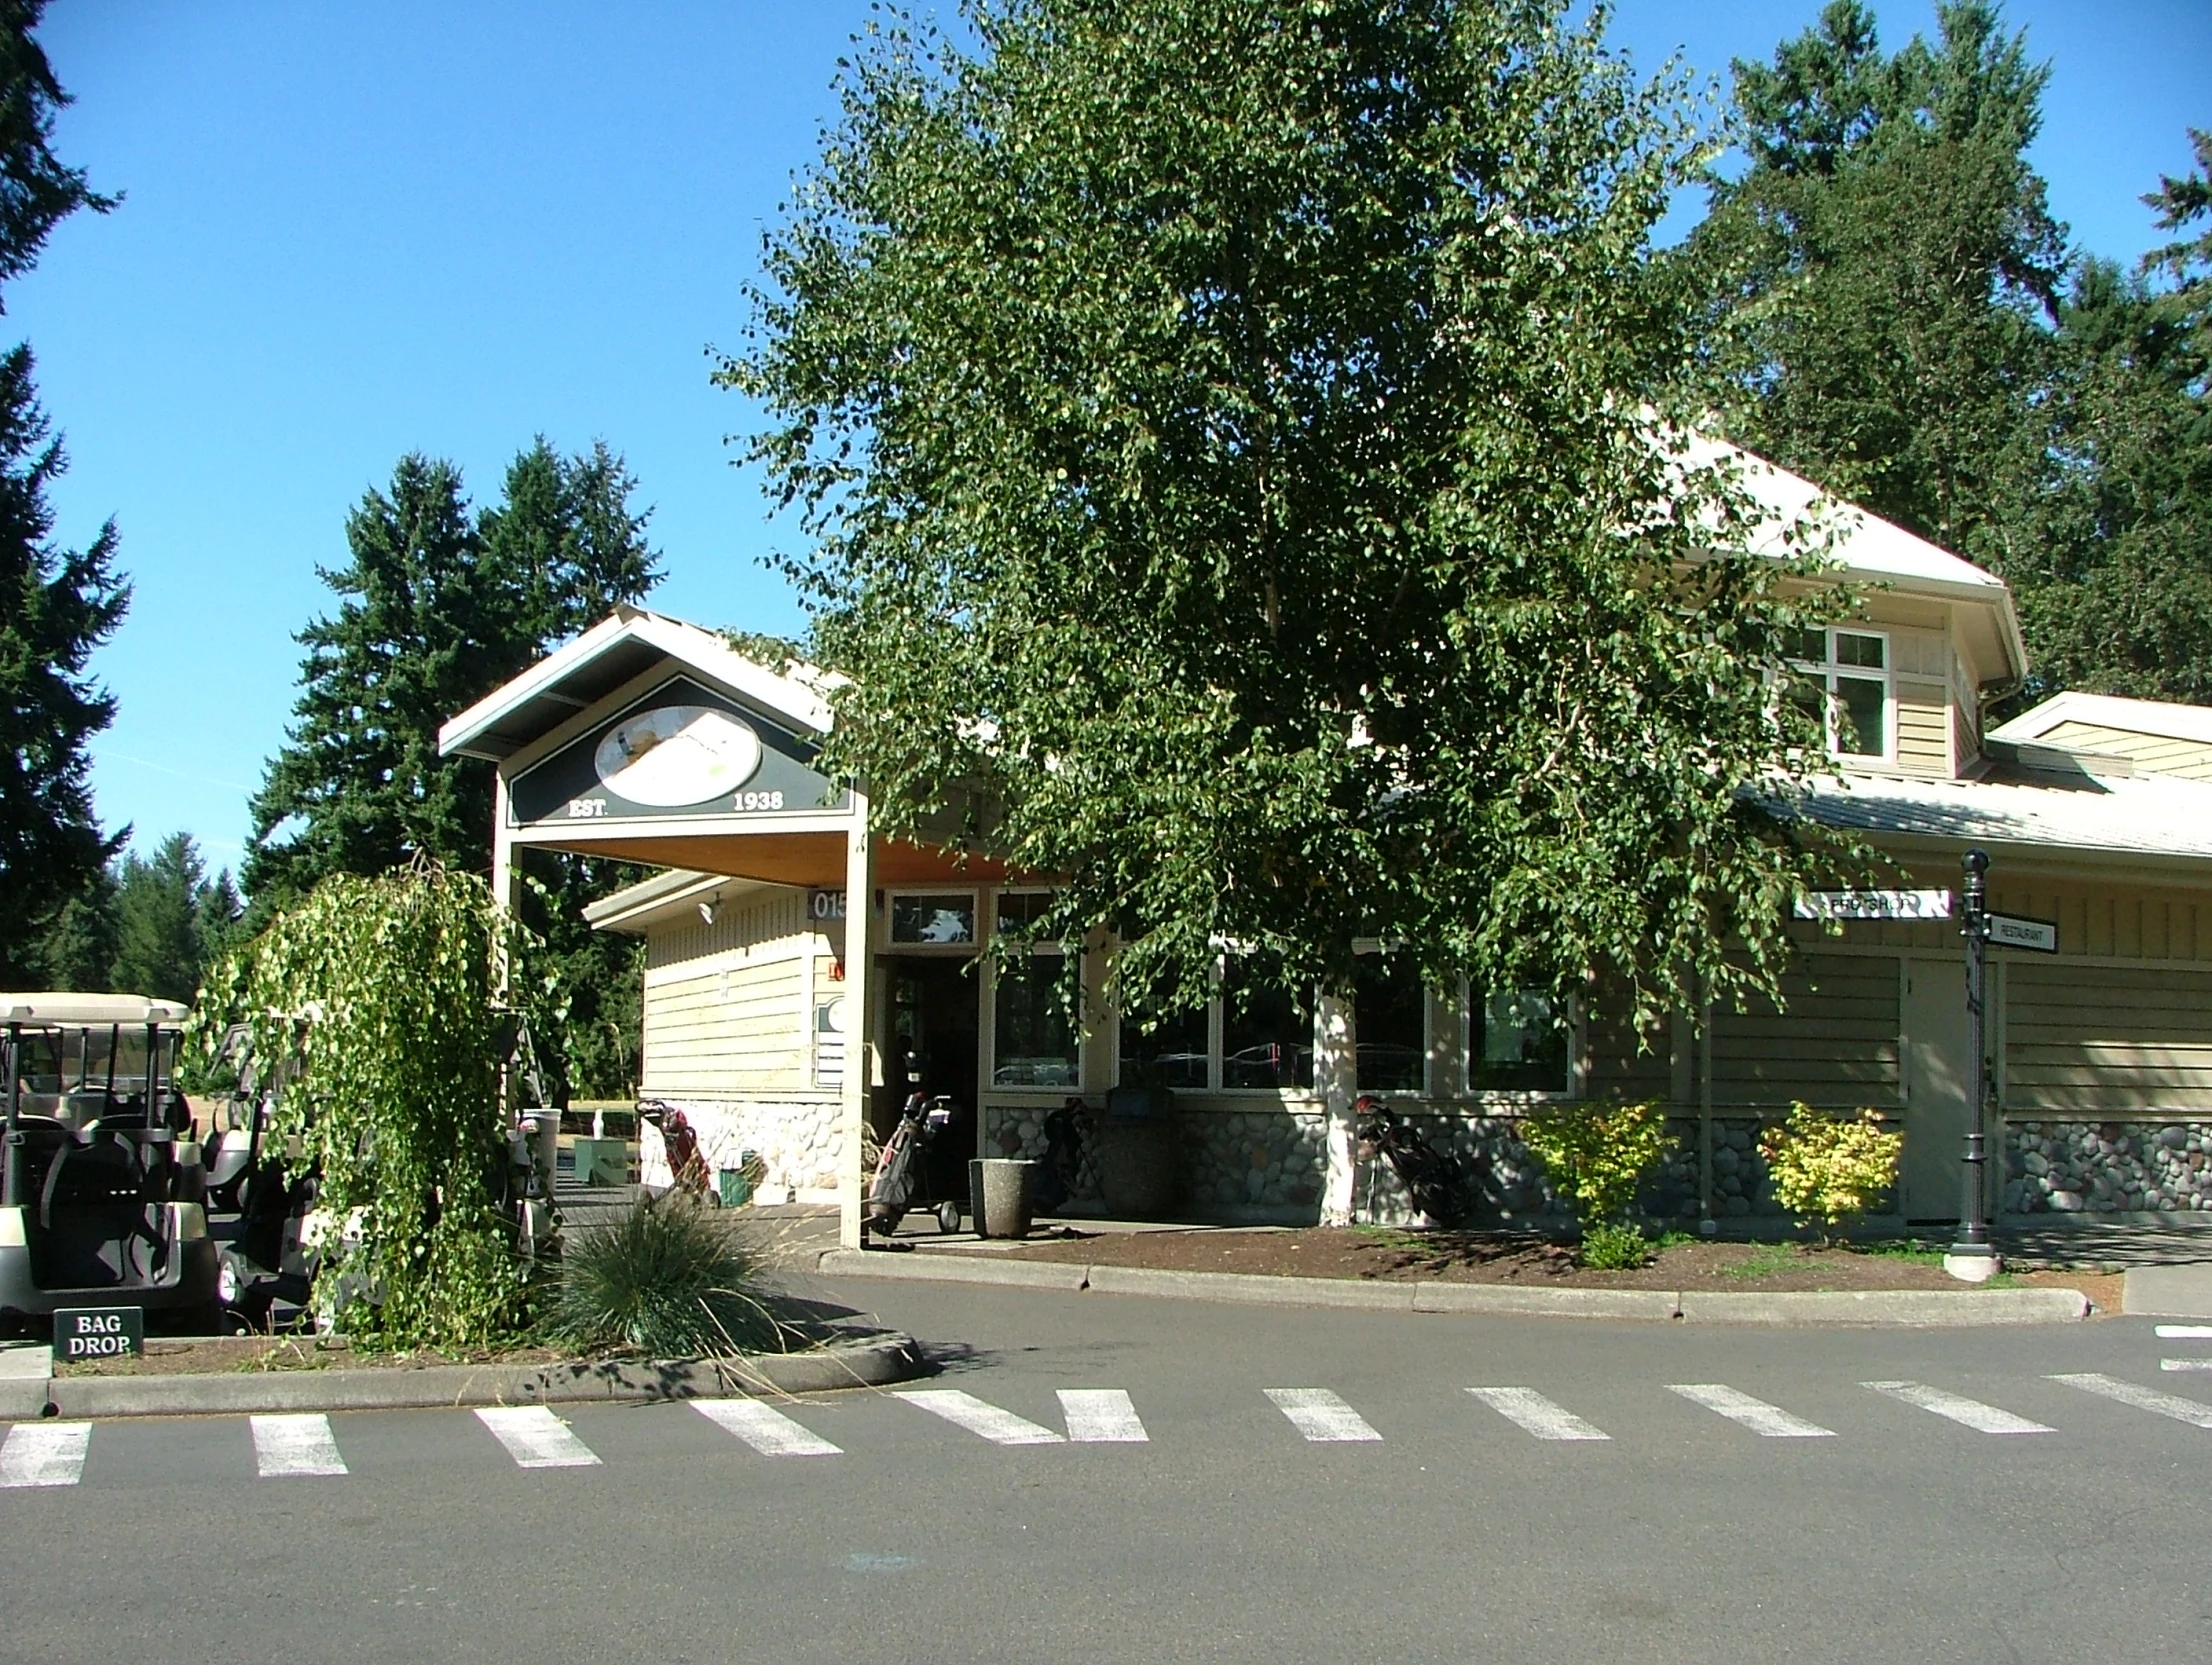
{"type": "Point", "coordinates": [798, 1143]}
{"type": "Point", "coordinates": [2078, 1167]}
{"type": "Point", "coordinates": [1269, 1158]}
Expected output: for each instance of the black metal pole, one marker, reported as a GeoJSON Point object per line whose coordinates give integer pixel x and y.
{"type": "Point", "coordinates": [1973, 1237]}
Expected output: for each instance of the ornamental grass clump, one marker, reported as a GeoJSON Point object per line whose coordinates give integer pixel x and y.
{"type": "Point", "coordinates": [668, 1280]}
{"type": "Point", "coordinates": [1597, 1155]}
{"type": "Point", "coordinates": [1828, 1167]}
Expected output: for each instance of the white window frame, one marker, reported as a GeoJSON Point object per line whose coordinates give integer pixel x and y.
{"type": "Point", "coordinates": [1577, 1054]}
{"type": "Point", "coordinates": [1827, 671]}
{"type": "Point", "coordinates": [892, 896]}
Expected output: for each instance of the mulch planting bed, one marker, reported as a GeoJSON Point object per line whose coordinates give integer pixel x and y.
{"type": "Point", "coordinates": [1525, 1258]}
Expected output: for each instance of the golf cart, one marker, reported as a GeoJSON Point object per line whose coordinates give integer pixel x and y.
{"type": "Point", "coordinates": [101, 1188]}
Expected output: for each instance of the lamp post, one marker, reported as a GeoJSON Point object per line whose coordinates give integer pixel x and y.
{"type": "Point", "coordinates": [1971, 1257]}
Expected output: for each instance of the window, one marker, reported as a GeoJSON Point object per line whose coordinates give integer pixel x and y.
{"type": "Point", "coordinates": [1390, 1011]}
{"type": "Point", "coordinates": [1019, 910]}
{"type": "Point", "coordinates": [1034, 1039]}
{"type": "Point", "coordinates": [1844, 686]}
{"type": "Point", "coordinates": [932, 921]}
{"type": "Point", "coordinates": [1266, 1031]}
{"type": "Point", "coordinates": [1517, 1043]}
{"type": "Point", "coordinates": [1172, 1054]}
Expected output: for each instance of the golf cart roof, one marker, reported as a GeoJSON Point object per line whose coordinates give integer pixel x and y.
{"type": "Point", "coordinates": [65, 1010]}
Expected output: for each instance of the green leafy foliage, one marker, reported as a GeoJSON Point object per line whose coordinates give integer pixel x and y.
{"type": "Point", "coordinates": [386, 992]}
{"type": "Point", "coordinates": [1830, 1168]}
{"type": "Point", "coordinates": [1597, 1154]}
{"type": "Point", "coordinates": [1614, 1246]}
{"type": "Point", "coordinates": [1234, 437]}
{"type": "Point", "coordinates": [669, 1279]}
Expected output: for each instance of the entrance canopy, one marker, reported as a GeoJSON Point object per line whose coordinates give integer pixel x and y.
{"type": "Point", "coordinates": [650, 740]}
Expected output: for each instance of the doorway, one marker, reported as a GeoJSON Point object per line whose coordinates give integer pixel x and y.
{"type": "Point", "coordinates": [932, 1009]}
{"type": "Point", "coordinates": [1938, 1070]}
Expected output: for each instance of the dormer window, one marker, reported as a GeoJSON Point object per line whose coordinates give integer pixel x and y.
{"type": "Point", "coordinates": [1846, 685]}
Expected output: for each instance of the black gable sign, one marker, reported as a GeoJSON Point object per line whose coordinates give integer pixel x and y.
{"type": "Point", "coordinates": [681, 752]}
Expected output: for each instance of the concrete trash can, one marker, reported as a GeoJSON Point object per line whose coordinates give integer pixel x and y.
{"type": "Point", "coordinates": [1002, 1195]}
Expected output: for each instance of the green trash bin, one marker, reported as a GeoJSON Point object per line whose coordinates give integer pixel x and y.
{"type": "Point", "coordinates": [734, 1186]}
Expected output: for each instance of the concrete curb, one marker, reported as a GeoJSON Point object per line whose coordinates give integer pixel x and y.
{"type": "Point", "coordinates": [1911, 1308]}
{"type": "Point", "coordinates": [1547, 1303]}
{"type": "Point", "coordinates": [874, 1362]}
{"type": "Point", "coordinates": [938, 1268]}
{"type": "Point", "coordinates": [1902, 1308]}
{"type": "Point", "coordinates": [1253, 1290]}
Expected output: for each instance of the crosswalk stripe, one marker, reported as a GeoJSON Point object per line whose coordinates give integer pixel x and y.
{"type": "Point", "coordinates": [2142, 1398]}
{"type": "Point", "coordinates": [764, 1428]}
{"type": "Point", "coordinates": [2185, 1364]}
{"type": "Point", "coordinates": [44, 1453]}
{"type": "Point", "coordinates": [1321, 1415]}
{"type": "Point", "coordinates": [1101, 1415]}
{"type": "Point", "coordinates": [2184, 1332]}
{"type": "Point", "coordinates": [1755, 1414]}
{"type": "Point", "coordinates": [965, 1410]}
{"type": "Point", "coordinates": [295, 1445]}
{"type": "Point", "coordinates": [1972, 1413]}
{"type": "Point", "coordinates": [536, 1438]}
{"type": "Point", "coordinates": [1532, 1411]}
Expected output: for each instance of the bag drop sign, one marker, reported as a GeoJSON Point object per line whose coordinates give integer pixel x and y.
{"type": "Point", "coordinates": [99, 1332]}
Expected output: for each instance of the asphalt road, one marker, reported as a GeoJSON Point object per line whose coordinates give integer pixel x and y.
{"type": "Point", "coordinates": [1456, 1533]}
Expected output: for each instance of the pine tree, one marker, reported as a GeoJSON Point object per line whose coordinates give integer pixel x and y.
{"type": "Point", "coordinates": [422, 629]}
{"type": "Point", "coordinates": [56, 605]}
{"type": "Point", "coordinates": [1882, 277]}
{"type": "Point", "coordinates": [159, 947]}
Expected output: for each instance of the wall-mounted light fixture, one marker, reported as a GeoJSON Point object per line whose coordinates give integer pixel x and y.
{"type": "Point", "coordinates": [710, 907]}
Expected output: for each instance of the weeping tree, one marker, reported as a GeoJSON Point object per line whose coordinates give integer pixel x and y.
{"type": "Point", "coordinates": [1241, 454]}
{"type": "Point", "coordinates": [392, 1005]}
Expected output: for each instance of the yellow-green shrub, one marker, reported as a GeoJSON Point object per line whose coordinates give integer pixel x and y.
{"type": "Point", "coordinates": [1827, 1167]}
{"type": "Point", "coordinates": [1597, 1154]}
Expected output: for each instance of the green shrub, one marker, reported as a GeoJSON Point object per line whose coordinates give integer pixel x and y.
{"type": "Point", "coordinates": [669, 1279]}
{"type": "Point", "coordinates": [1830, 1168]}
{"type": "Point", "coordinates": [1597, 1154]}
{"type": "Point", "coordinates": [1614, 1247]}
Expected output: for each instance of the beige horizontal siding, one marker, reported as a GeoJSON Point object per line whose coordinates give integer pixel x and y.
{"type": "Point", "coordinates": [1834, 1041]}
{"type": "Point", "coordinates": [1923, 737]}
{"type": "Point", "coordinates": [2156, 754]}
{"type": "Point", "coordinates": [728, 1029]}
{"type": "Point", "coordinates": [2107, 1040]}
{"type": "Point", "coordinates": [774, 920]}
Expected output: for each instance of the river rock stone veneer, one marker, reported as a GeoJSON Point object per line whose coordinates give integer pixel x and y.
{"type": "Point", "coordinates": [2076, 1167]}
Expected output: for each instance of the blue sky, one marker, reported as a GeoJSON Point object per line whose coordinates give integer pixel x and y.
{"type": "Point", "coordinates": [352, 232]}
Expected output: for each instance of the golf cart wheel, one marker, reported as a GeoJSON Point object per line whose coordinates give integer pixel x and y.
{"type": "Point", "coordinates": [948, 1216]}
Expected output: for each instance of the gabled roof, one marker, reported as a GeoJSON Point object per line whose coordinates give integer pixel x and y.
{"type": "Point", "coordinates": [1864, 546]}
{"type": "Point", "coordinates": [621, 647]}
{"type": "Point", "coordinates": [2159, 719]}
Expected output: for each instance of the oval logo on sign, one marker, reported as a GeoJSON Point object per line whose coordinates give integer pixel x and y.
{"type": "Point", "coordinates": [675, 755]}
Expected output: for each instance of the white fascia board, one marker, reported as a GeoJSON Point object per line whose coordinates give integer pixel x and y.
{"type": "Point", "coordinates": [695, 649]}
{"type": "Point", "coordinates": [2164, 719]}
{"type": "Point", "coordinates": [668, 895]}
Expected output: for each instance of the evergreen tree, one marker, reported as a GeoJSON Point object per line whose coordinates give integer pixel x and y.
{"type": "Point", "coordinates": [1882, 277]}
{"type": "Point", "coordinates": [439, 608]}
{"type": "Point", "coordinates": [56, 605]}
{"type": "Point", "coordinates": [2116, 584]}
{"type": "Point", "coordinates": [422, 630]}
{"type": "Point", "coordinates": [159, 944]}
{"type": "Point", "coordinates": [78, 950]}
